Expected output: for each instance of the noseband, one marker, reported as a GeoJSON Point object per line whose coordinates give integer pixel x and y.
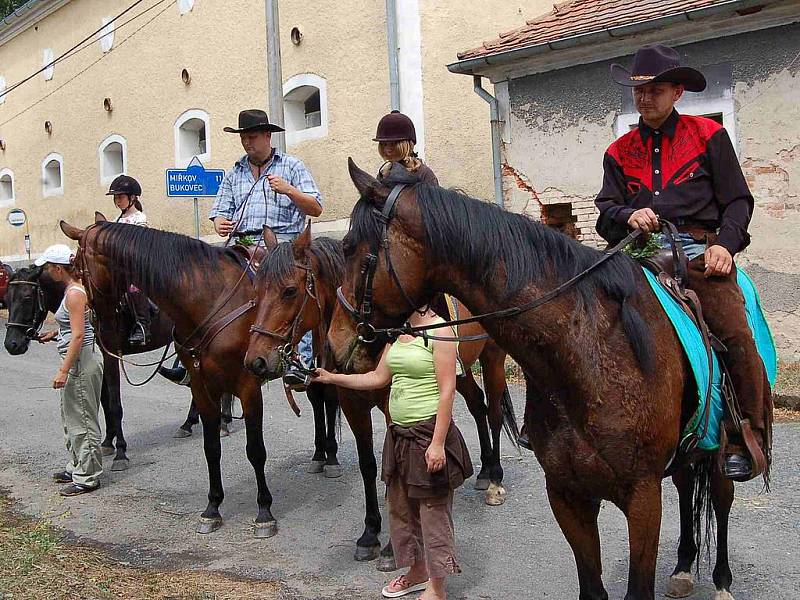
{"type": "Point", "coordinates": [32, 329]}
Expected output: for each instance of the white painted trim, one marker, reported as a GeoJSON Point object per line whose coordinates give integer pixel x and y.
{"type": "Point", "coordinates": [10, 201]}
{"type": "Point", "coordinates": [185, 6]}
{"type": "Point", "coordinates": [106, 35]}
{"type": "Point", "coordinates": [59, 191]}
{"type": "Point", "coordinates": [10, 28]}
{"type": "Point", "coordinates": [2, 89]}
{"type": "Point", "coordinates": [312, 133]}
{"type": "Point", "coordinates": [409, 41]}
{"type": "Point", "coordinates": [194, 113]}
{"type": "Point", "coordinates": [689, 105]}
{"type": "Point", "coordinates": [106, 179]}
{"type": "Point", "coordinates": [47, 58]}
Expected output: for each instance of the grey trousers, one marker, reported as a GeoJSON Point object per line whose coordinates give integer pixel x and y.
{"type": "Point", "coordinates": [80, 405]}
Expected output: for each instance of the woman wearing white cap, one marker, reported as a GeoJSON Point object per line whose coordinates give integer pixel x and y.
{"type": "Point", "coordinates": [80, 377]}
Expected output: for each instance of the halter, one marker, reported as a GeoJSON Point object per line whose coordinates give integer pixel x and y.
{"type": "Point", "coordinates": [33, 328]}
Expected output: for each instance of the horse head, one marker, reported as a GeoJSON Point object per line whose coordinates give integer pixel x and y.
{"type": "Point", "coordinates": [26, 309]}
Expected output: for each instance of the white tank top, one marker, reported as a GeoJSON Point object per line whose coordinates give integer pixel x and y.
{"type": "Point", "coordinates": [64, 327]}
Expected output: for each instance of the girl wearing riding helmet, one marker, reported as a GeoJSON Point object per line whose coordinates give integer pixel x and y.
{"type": "Point", "coordinates": [396, 137]}
{"type": "Point", "coordinates": [126, 191]}
{"type": "Point", "coordinates": [80, 377]}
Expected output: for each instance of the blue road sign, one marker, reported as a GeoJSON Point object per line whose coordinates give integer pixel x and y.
{"type": "Point", "coordinates": [194, 181]}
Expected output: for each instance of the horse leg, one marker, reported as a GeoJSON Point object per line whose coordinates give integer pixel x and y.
{"type": "Point", "coordinates": [107, 446]}
{"type": "Point", "coordinates": [315, 393]}
{"type": "Point", "coordinates": [210, 519]}
{"type": "Point", "coordinates": [681, 583]}
{"type": "Point", "coordinates": [577, 517]}
{"type": "Point", "coordinates": [473, 395]}
{"type": "Point", "coordinates": [121, 461]}
{"type": "Point", "coordinates": [643, 512]}
{"type": "Point", "coordinates": [192, 419]}
{"type": "Point", "coordinates": [332, 467]}
{"type": "Point", "coordinates": [252, 405]}
{"type": "Point", "coordinates": [359, 416]}
{"type": "Point", "coordinates": [494, 382]}
{"type": "Point", "coordinates": [226, 406]}
{"type": "Point", "coordinates": [722, 498]}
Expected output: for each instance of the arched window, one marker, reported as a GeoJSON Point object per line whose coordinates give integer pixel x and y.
{"type": "Point", "coordinates": [191, 138]}
{"type": "Point", "coordinates": [53, 175]}
{"type": "Point", "coordinates": [305, 101]}
{"type": "Point", "coordinates": [113, 152]}
{"type": "Point", "coordinates": [6, 187]}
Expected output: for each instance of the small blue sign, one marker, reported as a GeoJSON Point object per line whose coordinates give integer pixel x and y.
{"type": "Point", "coordinates": [194, 181]}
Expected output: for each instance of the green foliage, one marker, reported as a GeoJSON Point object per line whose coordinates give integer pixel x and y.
{"type": "Point", "coordinates": [8, 6]}
{"type": "Point", "coordinates": [636, 251]}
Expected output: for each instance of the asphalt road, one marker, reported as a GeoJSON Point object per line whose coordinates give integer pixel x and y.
{"type": "Point", "coordinates": [147, 515]}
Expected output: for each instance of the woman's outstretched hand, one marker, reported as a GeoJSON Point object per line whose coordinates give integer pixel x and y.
{"type": "Point", "coordinates": [322, 376]}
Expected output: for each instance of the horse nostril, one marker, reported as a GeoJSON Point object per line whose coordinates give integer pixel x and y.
{"type": "Point", "coordinates": [258, 366]}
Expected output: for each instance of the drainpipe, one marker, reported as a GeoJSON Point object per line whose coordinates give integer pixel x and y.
{"type": "Point", "coordinates": [496, 138]}
{"type": "Point", "coordinates": [391, 38]}
{"type": "Point", "coordinates": [274, 74]}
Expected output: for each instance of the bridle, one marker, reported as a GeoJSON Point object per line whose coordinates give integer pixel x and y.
{"type": "Point", "coordinates": [33, 328]}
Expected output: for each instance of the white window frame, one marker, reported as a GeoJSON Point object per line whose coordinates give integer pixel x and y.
{"type": "Point", "coordinates": [106, 35]}
{"type": "Point", "coordinates": [113, 138]}
{"type": "Point", "coordinates": [312, 133]}
{"type": "Point", "coordinates": [4, 202]}
{"type": "Point", "coordinates": [47, 59]}
{"type": "Point", "coordinates": [692, 106]}
{"type": "Point", "coordinates": [205, 157]}
{"type": "Point", "coordinates": [59, 191]}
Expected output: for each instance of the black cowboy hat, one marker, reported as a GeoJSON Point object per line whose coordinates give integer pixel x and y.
{"type": "Point", "coordinates": [656, 63]}
{"type": "Point", "coordinates": [124, 184]}
{"type": "Point", "coordinates": [253, 120]}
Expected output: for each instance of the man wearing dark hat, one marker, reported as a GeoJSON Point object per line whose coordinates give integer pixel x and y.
{"type": "Point", "coordinates": [684, 169]}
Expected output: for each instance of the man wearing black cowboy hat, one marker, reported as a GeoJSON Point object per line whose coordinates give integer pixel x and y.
{"type": "Point", "coordinates": [684, 169]}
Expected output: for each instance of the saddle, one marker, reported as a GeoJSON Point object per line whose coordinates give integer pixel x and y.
{"type": "Point", "coordinates": [249, 255]}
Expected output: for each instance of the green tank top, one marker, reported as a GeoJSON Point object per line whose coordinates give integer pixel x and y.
{"type": "Point", "coordinates": [415, 392]}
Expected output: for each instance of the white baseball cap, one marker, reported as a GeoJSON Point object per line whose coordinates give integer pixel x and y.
{"type": "Point", "coordinates": [58, 254]}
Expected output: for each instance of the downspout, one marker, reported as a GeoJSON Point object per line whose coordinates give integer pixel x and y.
{"type": "Point", "coordinates": [496, 139]}
{"type": "Point", "coordinates": [274, 72]}
{"type": "Point", "coordinates": [391, 39]}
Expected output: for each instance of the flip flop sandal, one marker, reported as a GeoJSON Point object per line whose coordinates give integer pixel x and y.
{"type": "Point", "coordinates": [62, 477]}
{"type": "Point", "coordinates": [418, 587]}
{"type": "Point", "coordinates": [76, 489]}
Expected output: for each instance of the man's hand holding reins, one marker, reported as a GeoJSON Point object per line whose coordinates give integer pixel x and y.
{"type": "Point", "coordinates": [718, 261]}
{"type": "Point", "coordinates": [644, 219]}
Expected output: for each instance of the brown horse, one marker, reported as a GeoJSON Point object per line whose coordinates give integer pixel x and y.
{"type": "Point", "coordinates": [608, 388]}
{"type": "Point", "coordinates": [206, 293]}
{"type": "Point", "coordinates": [296, 288]}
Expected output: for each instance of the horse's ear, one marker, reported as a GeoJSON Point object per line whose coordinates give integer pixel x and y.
{"type": "Point", "coordinates": [368, 187]}
{"type": "Point", "coordinates": [71, 232]}
{"type": "Point", "coordinates": [302, 243]}
{"type": "Point", "coordinates": [270, 239]}
{"type": "Point", "coordinates": [99, 217]}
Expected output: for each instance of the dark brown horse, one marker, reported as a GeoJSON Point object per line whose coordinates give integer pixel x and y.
{"type": "Point", "coordinates": [296, 288]}
{"type": "Point", "coordinates": [608, 388]}
{"type": "Point", "coordinates": [206, 293]}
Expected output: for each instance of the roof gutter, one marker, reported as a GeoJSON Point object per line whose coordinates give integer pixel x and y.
{"type": "Point", "coordinates": [17, 13]}
{"type": "Point", "coordinates": [471, 66]}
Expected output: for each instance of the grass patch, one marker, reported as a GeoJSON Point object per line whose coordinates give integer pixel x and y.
{"type": "Point", "coordinates": [788, 382]}
{"type": "Point", "coordinates": [36, 563]}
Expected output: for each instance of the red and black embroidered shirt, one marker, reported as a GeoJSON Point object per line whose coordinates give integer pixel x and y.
{"type": "Point", "coordinates": [686, 171]}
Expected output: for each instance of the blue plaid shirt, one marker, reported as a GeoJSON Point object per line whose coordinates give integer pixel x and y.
{"type": "Point", "coordinates": [265, 207]}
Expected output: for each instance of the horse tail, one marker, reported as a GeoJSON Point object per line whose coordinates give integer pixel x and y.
{"type": "Point", "coordinates": [702, 508]}
{"type": "Point", "coordinates": [639, 335]}
{"type": "Point", "coordinates": [509, 416]}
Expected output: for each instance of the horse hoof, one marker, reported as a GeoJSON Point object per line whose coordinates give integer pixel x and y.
{"type": "Point", "coordinates": [120, 464]}
{"type": "Point", "coordinates": [482, 484]}
{"type": "Point", "coordinates": [333, 471]}
{"type": "Point", "coordinates": [107, 450]}
{"type": "Point", "coordinates": [365, 553]}
{"type": "Point", "coordinates": [723, 595]}
{"type": "Point", "coordinates": [386, 564]}
{"type": "Point", "coordinates": [495, 495]}
{"type": "Point", "coordinates": [316, 466]}
{"type": "Point", "coordinates": [265, 530]}
{"type": "Point", "coordinates": [181, 433]}
{"type": "Point", "coordinates": [680, 585]}
{"type": "Point", "coordinates": [224, 431]}
{"type": "Point", "coordinates": [209, 525]}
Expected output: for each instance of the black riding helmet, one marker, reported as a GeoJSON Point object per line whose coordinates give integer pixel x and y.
{"type": "Point", "coordinates": [125, 184]}
{"type": "Point", "coordinates": [395, 127]}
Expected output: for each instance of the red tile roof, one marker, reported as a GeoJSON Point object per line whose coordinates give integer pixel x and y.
{"type": "Point", "coordinates": [576, 17]}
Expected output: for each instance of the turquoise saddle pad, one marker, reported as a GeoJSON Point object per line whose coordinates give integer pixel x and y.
{"type": "Point", "coordinates": [689, 335]}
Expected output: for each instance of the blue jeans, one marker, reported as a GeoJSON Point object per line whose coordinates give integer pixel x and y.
{"type": "Point", "coordinates": [691, 248]}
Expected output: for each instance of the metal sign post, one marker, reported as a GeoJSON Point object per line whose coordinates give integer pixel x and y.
{"type": "Point", "coordinates": [195, 182]}
{"type": "Point", "coordinates": [17, 217]}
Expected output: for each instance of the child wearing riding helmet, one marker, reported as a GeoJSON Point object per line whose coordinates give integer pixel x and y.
{"type": "Point", "coordinates": [396, 137]}
{"type": "Point", "coordinates": [424, 456]}
{"type": "Point", "coordinates": [80, 377]}
{"type": "Point", "coordinates": [126, 191]}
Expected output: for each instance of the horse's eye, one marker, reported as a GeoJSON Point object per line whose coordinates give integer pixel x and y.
{"type": "Point", "coordinates": [289, 292]}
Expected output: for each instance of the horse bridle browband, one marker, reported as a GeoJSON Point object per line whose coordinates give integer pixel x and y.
{"type": "Point", "coordinates": [32, 329]}
{"type": "Point", "coordinates": [367, 333]}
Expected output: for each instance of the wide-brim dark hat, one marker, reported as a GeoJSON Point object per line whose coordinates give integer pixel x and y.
{"type": "Point", "coordinates": [124, 184]}
{"type": "Point", "coordinates": [656, 63]}
{"type": "Point", "coordinates": [253, 120]}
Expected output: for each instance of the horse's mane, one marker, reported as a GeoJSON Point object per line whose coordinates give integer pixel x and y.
{"type": "Point", "coordinates": [278, 266]}
{"type": "Point", "coordinates": [482, 238]}
{"type": "Point", "coordinates": [157, 261]}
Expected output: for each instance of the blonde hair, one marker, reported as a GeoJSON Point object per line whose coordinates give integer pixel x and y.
{"type": "Point", "coordinates": [404, 149]}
